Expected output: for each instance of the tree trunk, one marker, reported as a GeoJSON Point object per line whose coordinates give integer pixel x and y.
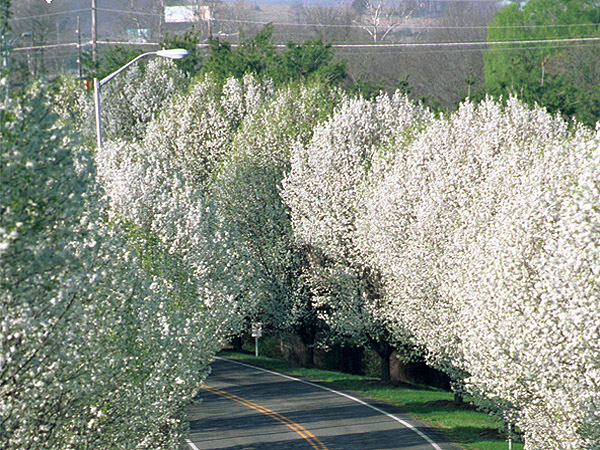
{"type": "Point", "coordinates": [385, 368]}
{"type": "Point", "coordinates": [309, 360]}
{"type": "Point", "coordinates": [385, 350]}
{"type": "Point", "coordinates": [308, 335]}
{"type": "Point", "coordinates": [458, 398]}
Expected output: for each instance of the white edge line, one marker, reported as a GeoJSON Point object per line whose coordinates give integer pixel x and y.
{"type": "Point", "coordinates": [191, 444]}
{"type": "Point", "coordinates": [350, 397]}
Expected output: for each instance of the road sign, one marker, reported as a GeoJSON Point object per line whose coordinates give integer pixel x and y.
{"type": "Point", "coordinates": [256, 333]}
{"type": "Point", "coordinates": [256, 329]}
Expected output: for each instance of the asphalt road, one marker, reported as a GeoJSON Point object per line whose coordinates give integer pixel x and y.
{"type": "Point", "coordinates": [248, 408]}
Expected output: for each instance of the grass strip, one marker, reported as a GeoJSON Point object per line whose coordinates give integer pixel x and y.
{"type": "Point", "coordinates": [467, 427]}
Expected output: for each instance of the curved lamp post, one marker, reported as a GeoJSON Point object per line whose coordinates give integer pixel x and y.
{"type": "Point", "coordinates": [176, 53]}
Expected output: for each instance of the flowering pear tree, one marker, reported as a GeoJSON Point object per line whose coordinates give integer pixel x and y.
{"type": "Point", "coordinates": [486, 236]}
{"type": "Point", "coordinates": [248, 192]}
{"type": "Point", "coordinates": [531, 337]}
{"type": "Point", "coordinates": [40, 273]}
{"type": "Point", "coordinates": [73, 106]}
{"type": "Point", "coordinates": [131, 100]}
{"type": "Point", "coordinates": [196, 128]}
{"type": "Point", "coordinates": [93, 350]}
{"type": "Point", "coordinates": [161, 188]}
{"type": "Point", "coordinates": [174, 225]}
{"type": "Point", "coordinates": [324, 191]}
{"type": "Point", "coordinates": [416, 213]}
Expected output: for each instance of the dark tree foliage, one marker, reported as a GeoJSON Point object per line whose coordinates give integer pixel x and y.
{"type": "Point", "coordinates": [311, 59]}
{"type": "Point", "coordinates": [366, 88]}
{"type": "Point", "coordinates": [111, 59]}
{"type": "Point", "coordinates": [4, 17]}
{"type": "Point", "coordinates": [188, 41]}
{"type": "Point", "coordinates": [252, 56]}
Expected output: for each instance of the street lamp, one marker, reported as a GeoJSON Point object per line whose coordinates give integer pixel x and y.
{"type": "Point", "coordinates": [176, 53]}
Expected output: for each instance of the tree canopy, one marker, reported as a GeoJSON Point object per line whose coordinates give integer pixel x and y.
{"type": "Point", "coordinates": [562, 76]}
{"type": "Point", "coordinates": [261, 190]}
{"type": "Point", "coordinates": [259, 56]}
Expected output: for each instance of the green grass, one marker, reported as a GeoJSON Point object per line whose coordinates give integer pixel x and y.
{"type": "Point", "coordinates": [467, 427]}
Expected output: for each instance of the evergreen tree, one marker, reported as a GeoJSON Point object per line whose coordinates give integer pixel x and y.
{"type": "Point", "coordinates": [258, 56]}
{"type": "Point", "coordinates": [561, 77]}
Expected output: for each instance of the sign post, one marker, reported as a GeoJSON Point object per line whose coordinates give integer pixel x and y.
{"type": "Point", "coordinates": [256, 333]}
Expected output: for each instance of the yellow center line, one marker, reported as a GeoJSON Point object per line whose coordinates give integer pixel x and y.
{"type": "Point", "coordinates": [310, 438]}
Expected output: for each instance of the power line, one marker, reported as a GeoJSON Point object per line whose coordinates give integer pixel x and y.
{"type": "Point", "coordinates": [369, 46]}
{"type": "Point", "coordinates": [472, 43]}
{"type": "Point", "coordinates": [462, 50]}
{"type": "Point", "coordinates": [416, 27]}
{"type": "Point", "coordinates": [129, 12]}
{"type": "Point", "coordinates": [45, 47]}
{"type": "Point", "coordinates": [38, 16]}
{"type": "Point", "coordinates": [140, 44]}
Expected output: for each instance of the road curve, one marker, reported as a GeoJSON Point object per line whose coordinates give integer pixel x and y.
{"type": "Point", "coordinates": [249, 408]}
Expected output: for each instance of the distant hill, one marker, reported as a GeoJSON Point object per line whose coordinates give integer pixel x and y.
{"type": "Point", "coordinates": [295, 2]}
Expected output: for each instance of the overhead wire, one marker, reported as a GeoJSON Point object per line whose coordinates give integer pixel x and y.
{"type": "Point", "coordinates": [515, 44]}
{"type": "Point", "coordinates": [129, 12]}
{"type": "Point", "coordinates": [509, 44]}
{"type": "Point", "coordinates": [461, 50]}
{"type": "Point", "coordinates": [45, 46]}
{"type": "Point", "coordinates": [416, 27]}
{"type": "Point", "coordinates": [468, 43]}
{"type": "Point", "coordinates": [57, 13]}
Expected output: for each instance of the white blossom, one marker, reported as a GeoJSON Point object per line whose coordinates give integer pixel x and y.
{"type": "Point", "coordinates": [325, 191]}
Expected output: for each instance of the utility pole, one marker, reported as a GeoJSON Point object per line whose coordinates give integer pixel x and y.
{"type": "Point", "coordinates": [79, 67]}
{"type": "Point", "coordinates": [161, 19]}
{"type": "Point", "coordinates": [94, 34]}
{"type": "Point", "coordinates": [543, 64]}
{"type": "Point", "coordinates": [207, 17]}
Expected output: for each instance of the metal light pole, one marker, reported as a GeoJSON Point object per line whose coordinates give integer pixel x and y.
{"type": "Point", "coordinates": [176, 53]}
{"type": "Point", "coordinates": [5, 56]}
{"type": "Point", "coordinates": [9, 47]}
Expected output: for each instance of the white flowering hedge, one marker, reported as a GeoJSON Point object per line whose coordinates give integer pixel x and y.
{"type": "Point", "coordinates": [472, 239]}
{"type": "Point", "coordinates": [131, 100]}
{"type": "Point", "coordinates": [160, 187]}
{"type": "Point", "coordinates": [482, 228]}
{"type": "Point", "coordinates": [325, 193]}
{"type": "Point", "coordinates": [247, 190]}
{"type": "Point", "coordinates": [95, 349]}
{"type": "Point", "coordinates": [487, 229]}
{"type": "Point", "coordinates": [528, 276]}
